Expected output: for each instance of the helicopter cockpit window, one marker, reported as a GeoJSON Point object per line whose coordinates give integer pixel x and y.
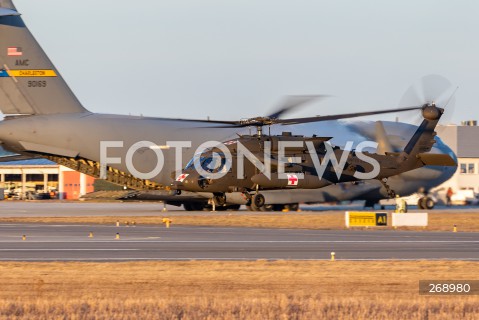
{"type": "Point", "coordinates": [214, 163]}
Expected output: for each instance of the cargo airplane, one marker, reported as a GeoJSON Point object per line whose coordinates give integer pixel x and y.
{"type": "Point", "coordinates": [43, 118]}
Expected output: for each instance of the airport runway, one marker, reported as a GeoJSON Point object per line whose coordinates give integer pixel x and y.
{"type": "Point", "coordinates": [49, 242]}
{"type": "Point", "coordinates": [81, 209]}
{"type": "Point", "coordinates": [9, 209]}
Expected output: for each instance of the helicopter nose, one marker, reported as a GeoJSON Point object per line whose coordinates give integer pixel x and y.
{"type": "Point", "coordinates": [195, 183]}
{"type": "Point", "coordinates": [204, 182]}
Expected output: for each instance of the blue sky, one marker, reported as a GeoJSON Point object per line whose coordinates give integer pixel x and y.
{"type": "Point", "coordinates": [235, 59]}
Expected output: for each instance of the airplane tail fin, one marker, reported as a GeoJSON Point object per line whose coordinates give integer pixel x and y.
{"type": "Point", "coordinates": [29, 82]}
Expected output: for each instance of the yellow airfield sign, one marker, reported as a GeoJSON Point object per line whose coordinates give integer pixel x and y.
{"type": "Point", "coordinates": [31, 73]}
{"type": "Point", "coordinates": [366, 219]}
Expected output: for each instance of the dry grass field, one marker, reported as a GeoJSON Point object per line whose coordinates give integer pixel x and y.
{"type": "Point", "coordinates": [232, 290]}
{"type": "Point", "coordinates": [442, 221]}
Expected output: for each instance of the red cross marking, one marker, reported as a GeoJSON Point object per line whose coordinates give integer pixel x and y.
{"type": "Point", "coordinates": [181, 177]}
{"type": "Point", "coordinates": [292, 180]}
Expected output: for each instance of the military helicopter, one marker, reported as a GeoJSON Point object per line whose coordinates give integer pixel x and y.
{"type": "Point", "coordinates": [249, 164]}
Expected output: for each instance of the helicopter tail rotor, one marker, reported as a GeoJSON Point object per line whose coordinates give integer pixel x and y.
{"type": "Point", "coordinates": [431, 90]}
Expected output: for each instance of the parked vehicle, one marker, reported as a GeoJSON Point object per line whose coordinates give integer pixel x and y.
{"type": "Point", "coordinates": [420, 200]}
{"type": "Point", "coordinates": [465, 197]}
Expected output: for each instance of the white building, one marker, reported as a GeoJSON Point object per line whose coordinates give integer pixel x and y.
{"type": "Point", "coordinates": [464, 141]}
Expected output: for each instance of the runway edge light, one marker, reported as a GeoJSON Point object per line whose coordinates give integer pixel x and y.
{"type": "Point", "coordinates": [167, 222]}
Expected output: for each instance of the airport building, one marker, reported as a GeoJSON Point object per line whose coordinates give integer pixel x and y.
{"type": "Point", "coordinates": [22, 179]}
{"type": "Point", "coordinates": [464, 141]}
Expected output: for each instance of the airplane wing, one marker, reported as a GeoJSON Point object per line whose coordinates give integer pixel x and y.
{"type": "Point", "coordinates": [6, 156]}
{"type": "Point", "coordinates": [171, 197]}
{"type": "Point", "coordinates": [14, 157]}
{"type": "Point", "coordinates": [167, 196]}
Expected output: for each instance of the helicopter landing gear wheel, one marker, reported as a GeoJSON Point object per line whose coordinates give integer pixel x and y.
{"type": "Point", "coordinates": [258, 201]}
{"type": "Point", "coordinates": [251, 206]}
{"type": "Point", "coordinates": [220, 199]}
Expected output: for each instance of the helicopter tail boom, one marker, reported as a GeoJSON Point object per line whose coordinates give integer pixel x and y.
{"type": "Point", "coordinates": [416, 152]}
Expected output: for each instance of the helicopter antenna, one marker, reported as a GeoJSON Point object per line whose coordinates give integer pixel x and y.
{"type": "Point", "coordinates": [452, 96]}
{"type": "Point", "coordinates": [259, 131]}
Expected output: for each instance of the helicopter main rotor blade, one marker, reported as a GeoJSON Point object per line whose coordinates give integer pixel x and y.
{"type": "Point", "coordinates": [266, 121]}
{"type": "Point", "coordinates": [290, 103]}
{"type": "Point", "coordinates": [225, 122]}
{"type": "Point", "coordinates": [343, 116]}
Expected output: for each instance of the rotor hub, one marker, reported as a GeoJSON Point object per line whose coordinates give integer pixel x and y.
{"type": "Point", "coordinates": [431, 112]}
